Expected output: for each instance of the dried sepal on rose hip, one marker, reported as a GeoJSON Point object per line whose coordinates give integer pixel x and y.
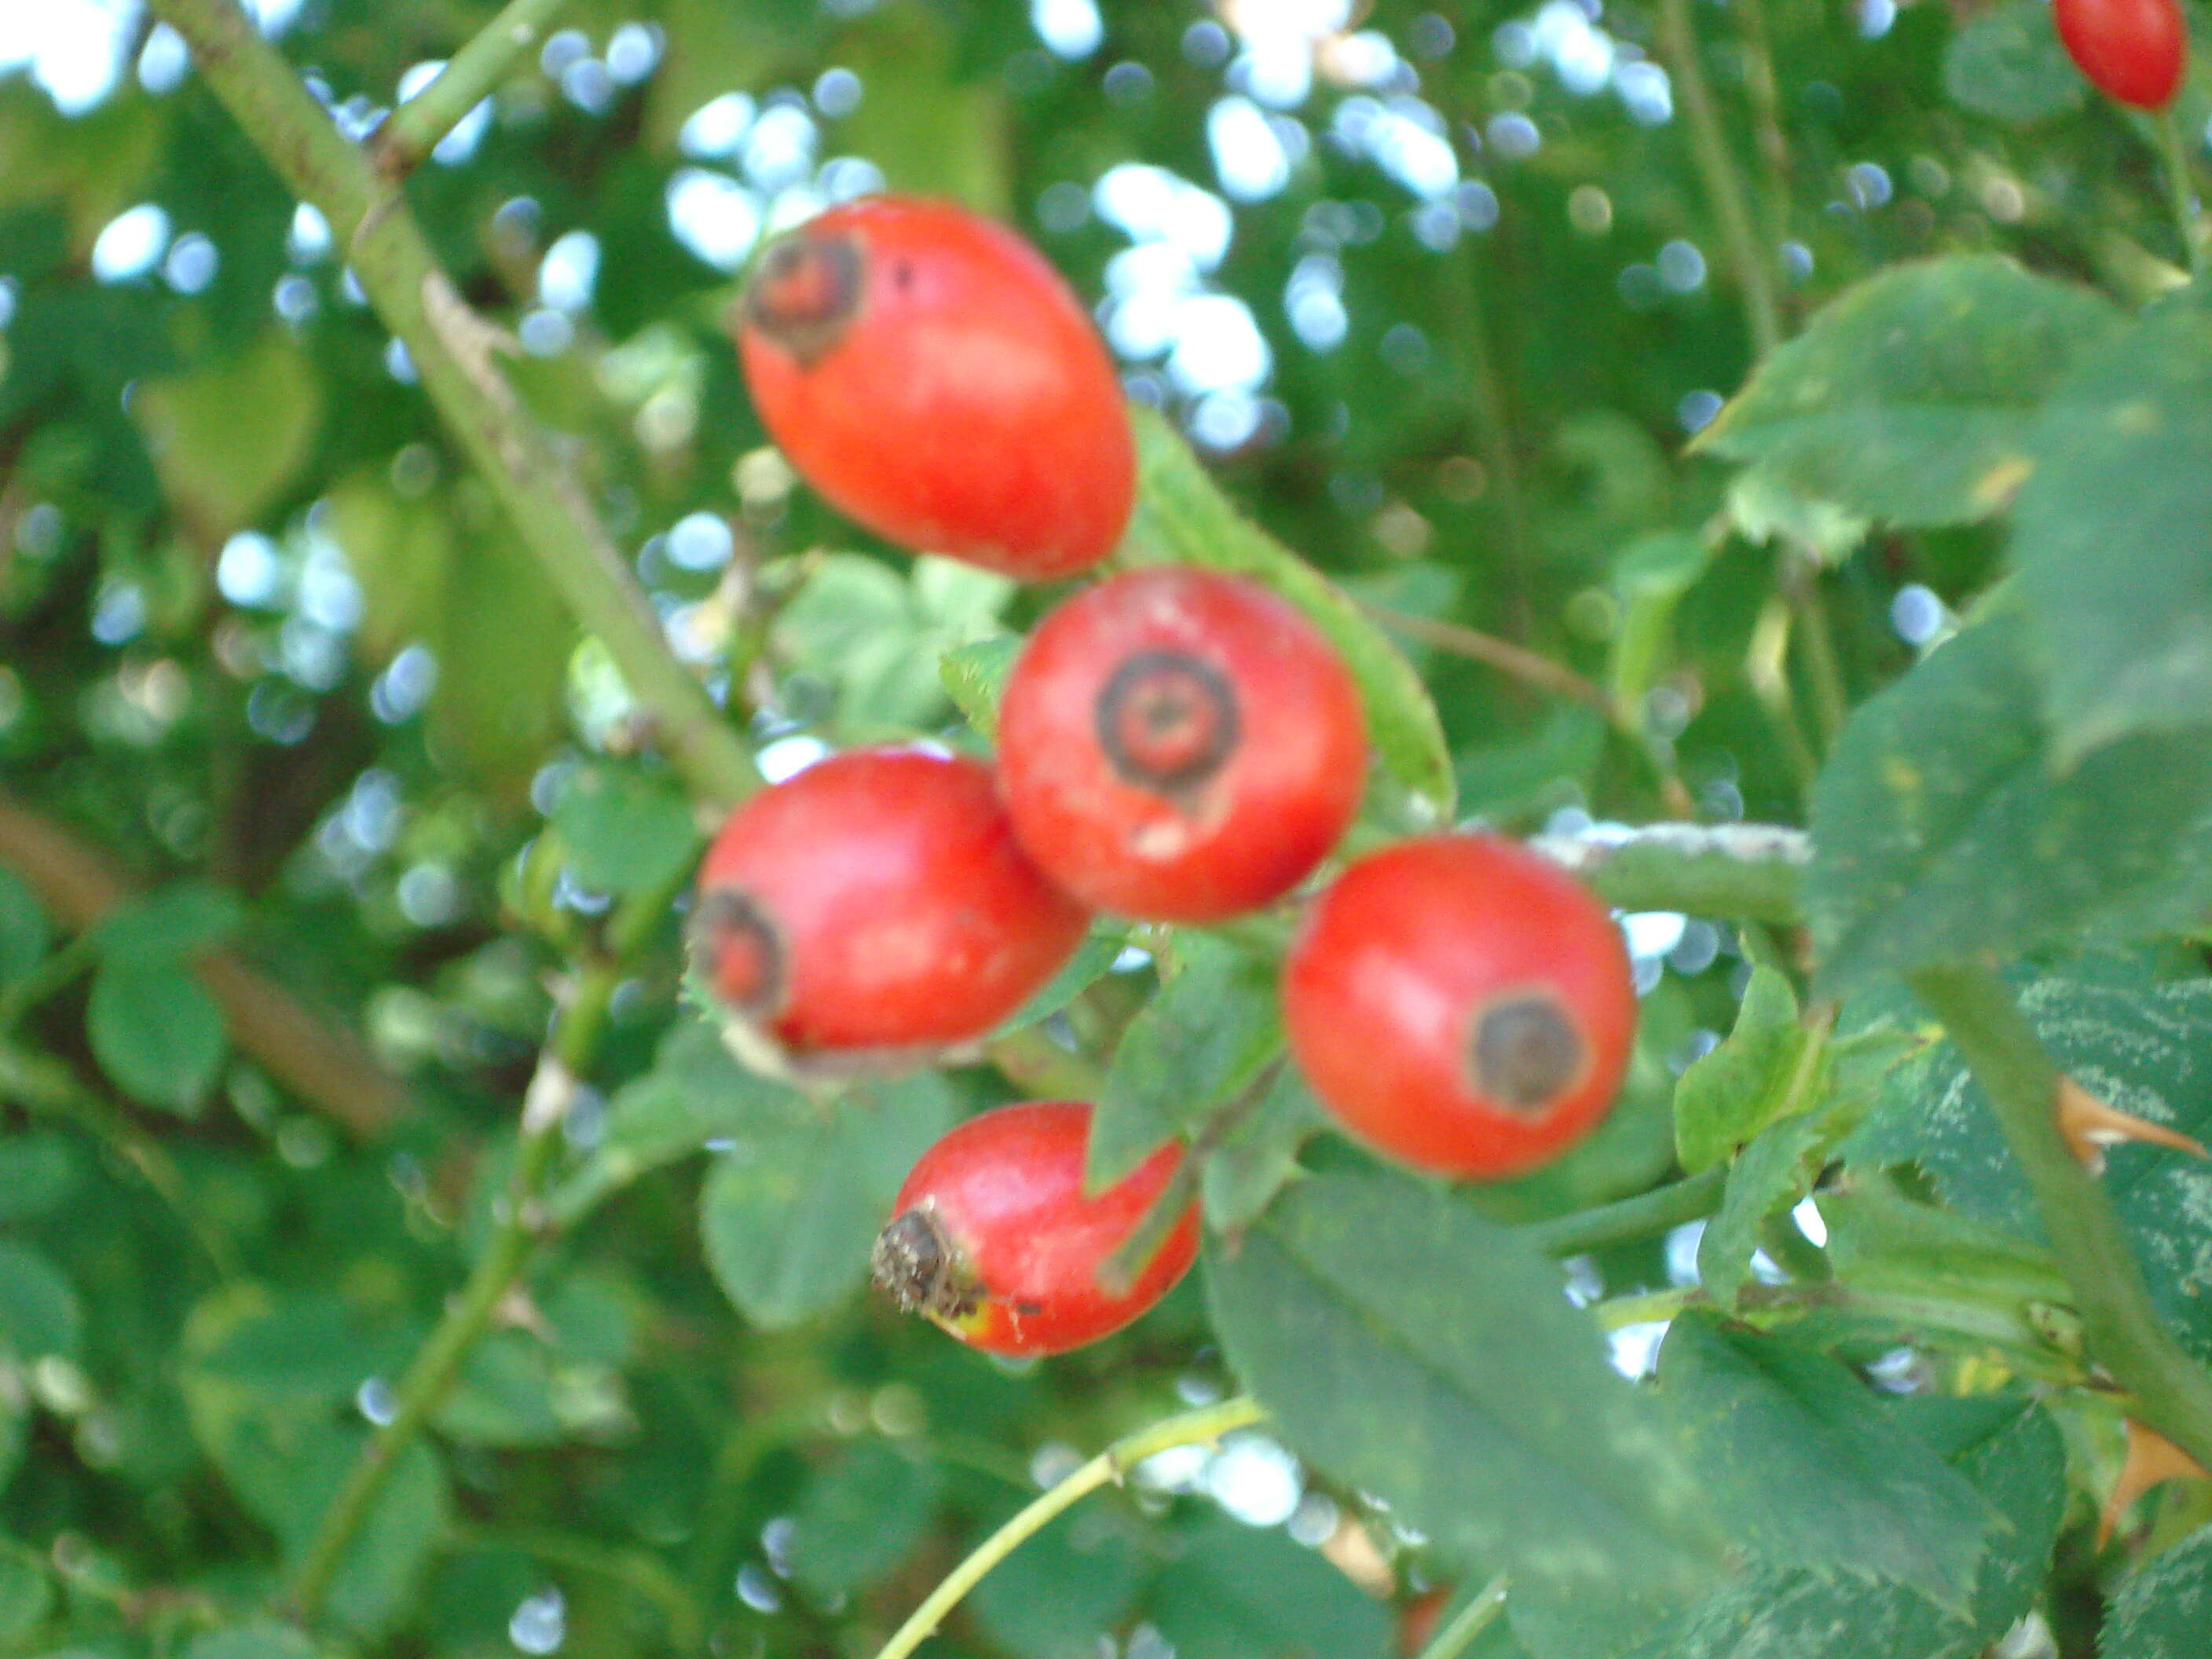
{"type": "Point", "coordinates": [1460, 1004]}
{"type": "Point", "coordinates": [1180, 745]}
{"type": "Point", "coordinates": [871, 912]}
{"type": "Point", "coordinates": [2132, 50]}
{"type": "Point", "coordinates": [935, 378]}
{"type": "Point", "coordinates": [992, 1237]}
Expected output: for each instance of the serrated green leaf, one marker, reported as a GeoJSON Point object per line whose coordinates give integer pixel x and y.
{"type": "Point", "coordinates": [2113, 535]}
{"type": "Point", "coordinates": [1770, 1175]}
{"type": "Point", "coordinates": [878, 635]}
{"type": "Point", "coordinates": [1182, 518]}
{"type": "Point", "coordinates": [1408, 1348]}
{"type": "Point", "coordinates": [2164, 1608]}
{"type": "Point", "coordinates": [860, 1517]}
{"type": "Point", "coordinates": [25, 933]}
{"type": "Point", "coordinates": [2133, 1028]}
{"type": "Point", "coordinates": [2013, 1456]}
{"type": "Point", "coordinates": [156, 1031]}
{"type": "Point", "coordinates": [1204, 1035]}
{"type": "Point", "coordinates": [1824, 1480]}
{"type": "Point", "coordinates": [1259, 1156]}
{"type": "Point", "coordinates": [1941, 832]}
{"type": "Point", "coordinates": [625, 832]}
{"type": "Point", "coordinates": [974, 677]}
{"type": "Point", "coordinates": [1092, 961]}
{"type": "Point", "coordinates": [1726, 1096]}
{"type": "Point", "coordinates": [1911, 399]}
{"type": "Point", "coordinates": [793, 1207]}
{"type": "Point", "coordinates": [2008, 65]}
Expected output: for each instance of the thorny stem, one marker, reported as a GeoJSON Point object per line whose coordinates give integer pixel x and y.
{"type": "Point", "coordinates": [415, 129]}
{"type": "Point", "coordinates": [2120, 1325]}
{"type": "Point", "coordinates": [1729, 871]}
{"type": "Point", "coordinates": [1678, 43]}
{"type": "Point", "coordinates": [452, 349]}
{"type": "Point", "coordinates": [1110, 1467]}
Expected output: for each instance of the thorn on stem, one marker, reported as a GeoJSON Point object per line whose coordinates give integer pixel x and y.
{"type": "Point", "coordinates": [2090, 1125]}
{"type": "Point", "coordinates": [2152, 1460]}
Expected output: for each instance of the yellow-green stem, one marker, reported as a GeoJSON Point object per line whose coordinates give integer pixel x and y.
{"type": "Point", "coordinates": [1470, 1622]}
{"type": "Point", "coordinates": [2187, 218]}
{"type": "Point", "coordinates": [1754, 265]}
{"type": "Point", "coordinates": [414, 130]}
{"type": "Point", "coordinates": [1110, 1468]}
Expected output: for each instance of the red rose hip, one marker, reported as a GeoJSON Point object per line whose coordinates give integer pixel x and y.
{"type": "Point", "coordinates": [1180, 744]}
{"type": "Point", "coordinates": [931, 376]}
{"type": "Point", "coordinates": [1462, 1005]}
{"type": "Point", "coordinates": [992, 1237]}
{"type": "Point", "coordinates": [877, 901]}
{"type": "Point", "coordinates": [2130, 50]}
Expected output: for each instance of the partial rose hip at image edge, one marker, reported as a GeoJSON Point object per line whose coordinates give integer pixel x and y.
{"type": "Point", "coordinates": [1462, 1005]}
{"type": "Point", "coordinates": [992, 1237]}
{"type": "Point", "coordinates": [876, 904]}
{"type": "Point", "coordinates": [1180, 744]}
{"type": "Point", "coordinates": [2135, 51]}
{"type": "Point", "coordinates": [935, 379]}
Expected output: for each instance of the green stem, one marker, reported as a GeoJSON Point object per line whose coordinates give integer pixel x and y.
{"type": "Point", "coordinates": [1832, 702]}
{"type": "Point", "coordinates": [2120, 1324]}
{"type": "Point", "coordinates": [1678, 43]}
{"type": "Point", "coordinates": [1470, 1622]}
{"type": "Point", "coordinates": [1729, 871]}
{"type": "Point", "coordinates": [452, 351]}
{"type": "Point", "coordinates": [1494, 430]}
{"type": "Point", "coordinates": [431, 1373]}
{"type": "Point", "coordinates": [2173, 147]}
{"type": "Point", "coordinates": [1765, 114]}
{"type": "Point", "coordinates": [403, 142]}
{"type": "Point", "coordinates": [1689, 1199]}
{"type": "Point", "coordinates": [1647, 1308]}
{"type": "Point", "coordinates": [1110, 1468]}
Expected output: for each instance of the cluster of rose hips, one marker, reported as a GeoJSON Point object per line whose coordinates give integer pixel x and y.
{"type": "Point", "coordinates": [1175, 746]}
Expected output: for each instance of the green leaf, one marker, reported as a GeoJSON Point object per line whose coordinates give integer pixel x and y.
{"type": "Point", "coordinates": [504, 1395]}
{"type": "Point", "coordinates": [2014, 1458]}
{"type": "Point", "coordinates": [156, 1031]}
{"type": "Point", "coordinates": [694, 1093]}
{"type": "Point", "coordinates": [1650, 575]}
{"type": "Point", "coordinates": [228, 437]}
{"type": "Point", "coordinates": [1093, 960]}
{"type": "Point", "coordinates": [625, 832]}
{"type": "Point", "coordinates": [1408, 1348]}
{"type": "Point", "coordinates": [1940, 833]}
{"type": "Point", "coordinates": [858, 1519]}
{"type": "Point", "coordinates": [1911, 400]}
{"type": "Point", "coordinates": [2165, 1607]}
{"type": "Point", "coordinates": [2009, 65]}
{"type": "Point", "coordinates": [264, 1638]}
{"type": "Point", "coordinates": [793, 1207]}
{"type": "Point", "coordinates": [1825, 1480]}
{"type": "Point", "coordinates": [39, 1171]}
{"type": "Point", "coordinates": [974, 677]}
{"type": "Point", "coordinates": [1204, 1037]}
{"type": "Point", "coordinates": [24, 934]}
{"type": "Point", "coordinates": [39, 1313]}
{"type": "Point", "coordinates": [1234, 1591]}
{"type": "Point", "coordinates": [304, 1347]}
{"type": "Point", "coordinates": [178, 920]}
{"type": "Point", "coordinates": [1182, 518]}
{"type": "Point", "coordinates": [2113, 536]}
{"type": "Point", "coordinates": [2133, 1028]}
{"type": "Point", "coordinates": [27, 1594]}
{"type": "Point", "coordinates": [1259, 1156]}
{"type": "Point", "coordinates": [878, 635]}
{"type": "Point", "coordinates": [1726, 1096]}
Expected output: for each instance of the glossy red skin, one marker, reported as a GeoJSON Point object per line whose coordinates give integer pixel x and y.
{"type": "Point", "coordinates": [1243, 835]}
{"type": "Point", "coordinates": [2133, 51]}
{"type": "Point", "coordinates": [908, 916]}
{"type": "Point", "coordinates": [1006, 1190]}
{"type": "Point", "coordinates": [969, 407]}
{"type": "Point", "coordinates": [1383, 983]}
